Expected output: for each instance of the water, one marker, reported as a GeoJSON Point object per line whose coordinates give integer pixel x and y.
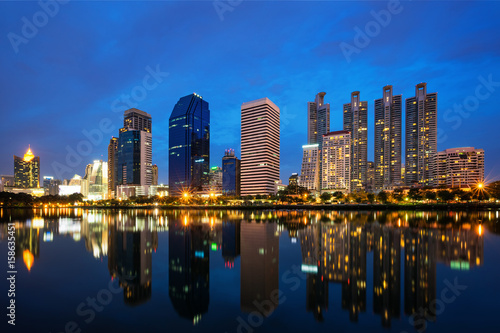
{"type": "Point", "coordinates": [261, 271]}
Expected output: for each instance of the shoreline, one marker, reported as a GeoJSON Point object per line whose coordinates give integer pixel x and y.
{"type": "Point", "coordinates": [348, 207]}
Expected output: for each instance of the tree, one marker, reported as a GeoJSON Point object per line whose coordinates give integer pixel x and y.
{"type": "Point", "coordinates": [382, 196]}
{"type": "Point", "coordinates": [430, 195]}
{"type": "Point", "coordinates": [370, 197]}
{"type": "Point", "coordinates": [445, 195]}
{"type": "Point", "coordinates": [325, 196]}
{"type": "Point", "coordinates": [494, 189]}
{"type": "Point", "coordinates": [414, 194]}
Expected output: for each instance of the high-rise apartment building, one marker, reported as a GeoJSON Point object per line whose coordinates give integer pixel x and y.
{"type": "Point", "coordinates": [388, 120]}
{"type": "Point", "coordinates": [231, 174]}
{"type": "Point", "coordinates": [421, 137]}
{"type": "Point", "coordinates": [189, 145]}
{"type": "Point", "coordinates": [318, 124]}
{"type": "Point", "coordinates": [112, 149]}
{"type": "Point", "coordinates": [356, 122]}
{"type": "Point", "coordinates": [155, 174]}
{"type": "Point", "coordinates": [336, 161]}
{"type": "Point", "coordinates": [27, 170]}
{"type": "Point", "coordinates": [133, 159]}
{"type": "Point", "coordinates": [310, 172]}
{"type": "Point", "coordinates": [318, 119]}
{"type": "Point", "coordinates": [460, 167]}
{"type": "Point", "coordinates": [260, 147]}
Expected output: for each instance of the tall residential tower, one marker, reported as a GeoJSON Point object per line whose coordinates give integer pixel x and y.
{"type": "Point", "coordinates": [356, 122]}
{"type": "Point", "coordinates": [388, 120]}
{"type": "Point", "coordinates": [421, 137]}
{"type": "Point", "coordinates": [27, 170]}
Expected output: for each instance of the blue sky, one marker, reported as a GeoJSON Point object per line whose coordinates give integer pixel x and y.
{"type": "Point", "coordinates": [70, 75]}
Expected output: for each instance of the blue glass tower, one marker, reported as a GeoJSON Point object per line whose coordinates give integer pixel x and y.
{"type": "Point", "coordinates": [231, 174]}
{"type": "Point", "coordinates": [189, 145]}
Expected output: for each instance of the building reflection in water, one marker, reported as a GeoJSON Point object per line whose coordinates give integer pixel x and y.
{"type": "Point", "coordinates": [189, 264]}
{"type": "Point", "coordinates": [230, 242]}
{"type": "Point", "coordinates": [259, 266]}
{"type": "Point", "coordinates": [131, 242]}
{"type": "Point", "coordinates": [28, 244]}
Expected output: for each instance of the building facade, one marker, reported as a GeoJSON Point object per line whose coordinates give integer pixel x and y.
{"type": "Point", "coordinates": [133, 159]}
{"type": "Point", "coordinates": [460, 167]}
{"type": "Point", "coordinates": [336, 160]}
{"type": "Point", "coordinates": [318, 119]}
{"type": "Point", "coordinates": [356, 122]}
{"type": "Point", "coordinates": [260, 147]}
{"type": "Point", "coordinates": [27, 170]}
{"type": "Point", "coordinates": [155, 175]}
{"type": "Point", "coordinates": [189, 145]}
{"type": "Point", "coordinates": [421, 137]}
{"type": "Point", "coordinates": [95, 181]}
{"type": "Point", "coordinates": [388, 120]}
{"type": "Point", "coordinates": [231, 174]}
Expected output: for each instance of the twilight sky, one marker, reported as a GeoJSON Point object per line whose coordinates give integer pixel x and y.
{"type": "Point", "coordinates": [75, 71]}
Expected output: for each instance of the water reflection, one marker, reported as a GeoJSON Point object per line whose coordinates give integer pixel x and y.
{"type": "Point", "coordinates": [335, 249]}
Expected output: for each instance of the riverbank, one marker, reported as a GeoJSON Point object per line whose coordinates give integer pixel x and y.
{"type": "Point", "coordinates": [354, 207]}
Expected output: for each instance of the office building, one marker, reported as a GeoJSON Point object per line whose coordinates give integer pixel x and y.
{"type": "Point", "coordinates": [133, 160]}
{"type": "Point", "coordinates": [8, 180]}
{"type": "Point", "coordinates": [51, 185]}
{"type": "Point", "coordinates": [231, 174]}
{"type": "Point", "coordinates": [95, 181]}
{"type": "Point", "coordinates": [189, 145]}
{"type": "Point", "coordinates": [336, 161]}
{"type": "Point", "coordinates": [293, 180]}
{"type": "Point", "coordinates": [356, 122]}
{"type": "Point", "coordinates": [112, 149]}
{"type": "Point", "coordinates": [388, 120]}
{"type": "Point", "coordinates": [310, 172]}
{"type": "Point", "coordinates": [421, 137]}
{"type": "Point", "coordinates": [460, 167]}
{"type": "Point", "coordinates": [27, 170]}
{"type": "Point", "coordinates": [260, 147]}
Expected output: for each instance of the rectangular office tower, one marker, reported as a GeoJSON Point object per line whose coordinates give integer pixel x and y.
{"type": "Point", "coordinates": [112, 150]}
{"type": "Point", "coordinates": [189, 145]}
{"type": "Point", "coordinates": [460, 167]}
{"type": "Point", "coordinates": [260, 147]}
{"type": "Point", "coordinates": [388, 120]}
{"type": "Point", "coordinates": [231, 174]}
{"type": "Point", "coordinates": [133, 157]}
{"type": "Point", "coordinates": [421, 137]}
{"type": "Point", "coordinates": [356, 122]}
{"type": "Point", "coordinates": [336, 162]}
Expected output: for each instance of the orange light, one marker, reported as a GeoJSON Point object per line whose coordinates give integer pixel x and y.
{"type": "Point", "coordinates": [28, 259]}
{"type": "Point", "coordinates": [28, 156]}
{"type": "Point", "coordinates": [185, 195]}
{"type": "Point", "coordinates": [480, 185]}
{"type": "Point", "coordinates": [480, 230]}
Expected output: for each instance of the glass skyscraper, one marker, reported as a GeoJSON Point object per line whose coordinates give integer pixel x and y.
{"type": "Point", "coordinates": [231, 174]}
{"type": "Point", "coordinates": [189, 145]}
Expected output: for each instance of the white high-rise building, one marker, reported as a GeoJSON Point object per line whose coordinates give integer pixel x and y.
{"type": "Point", "coordinates": [95, 181]}
{"type": "Point", "coordinates": [336, 162]}
{"type": "Point", "coordinates": [260, 147]}
{"type": "Point", "coordinates": [309, 175]}
{"type": "Point", "coordinates": [460, 167]}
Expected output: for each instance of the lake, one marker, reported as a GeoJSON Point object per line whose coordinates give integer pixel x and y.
{"type": "Point", "coordinates": [222, 271]}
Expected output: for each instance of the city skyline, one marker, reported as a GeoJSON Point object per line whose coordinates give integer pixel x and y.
{"type": "Point", "coordinates": [453, 70]}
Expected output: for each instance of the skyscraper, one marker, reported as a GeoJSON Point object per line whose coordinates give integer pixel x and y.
{"type": "Point", "coordinates": [231, 174]}
{"type": "Point", "coordinates": [421, 137]}
{"type": "Point", "coordinates": [189, 145]}
{"type": "Point", "coordinates": [155, 174]}
{"type": "Point", "coordinates": [260, 147]}
{"type": "Point", "coordinates": [356, 122]}
{"type": "Point", "coordinates": [336, 162]}
{"type": "Point", "coordinates": [318, 119]}
{"type": "Point", "coordinates": [388, 120]}
{"type": "Point", "coordinates": [133, 161]}
{"type": "Point", "coordinates": [95, 181]}
{"type": "Point", "coordinates": [112, 149]}
{"type": "Point", "coordinates": [318, 124]}
{"type": "Point", "coordinates": [27, 170]}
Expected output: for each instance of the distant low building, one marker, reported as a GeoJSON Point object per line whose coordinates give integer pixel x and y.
{"type": "Point", "coordinates": [460, 167]}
